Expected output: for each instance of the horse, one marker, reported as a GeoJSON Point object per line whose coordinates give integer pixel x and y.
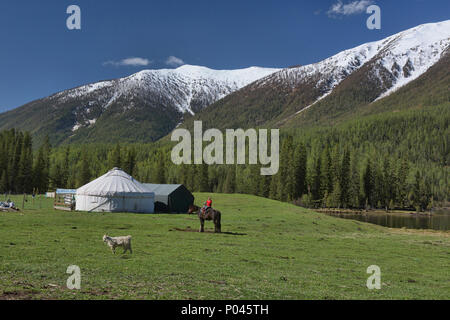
{"type": "Point", "coordinates": [193, 208]}
{"type": "Point", "coordinates": [210, 214]}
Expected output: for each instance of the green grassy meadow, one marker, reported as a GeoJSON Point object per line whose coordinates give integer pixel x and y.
{"type": "Point", "coordinates": [269, 250]}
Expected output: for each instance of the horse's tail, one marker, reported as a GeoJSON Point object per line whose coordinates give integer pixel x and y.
{"type": "Point", "coordinates": [218, 218]}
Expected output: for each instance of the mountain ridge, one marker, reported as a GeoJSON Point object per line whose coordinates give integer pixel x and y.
{"type": "Point", "coordinates": [337, 85]}
{"type": "Point", "coordinates": [149, 104]}
{"type": "Point", "coordinates": [156, 99]}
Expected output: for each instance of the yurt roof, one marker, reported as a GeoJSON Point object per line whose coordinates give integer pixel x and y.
{"type": "Point", "coordinates": [114, 183]}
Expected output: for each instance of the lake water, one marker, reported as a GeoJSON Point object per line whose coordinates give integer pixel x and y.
{"type": "Point", "coordinates": [436, 221]}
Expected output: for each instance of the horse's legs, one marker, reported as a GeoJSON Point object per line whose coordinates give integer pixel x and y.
{"type": "Point", "coordinates": [216, 227]}
{"type": "Point", "coordinates": [202, 225]}
{"type": "Point", "coordinates": [217, 223]}
{"type": "Point", "coordinates": [219, 227]}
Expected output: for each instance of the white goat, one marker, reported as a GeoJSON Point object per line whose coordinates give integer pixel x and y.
{"type": "Point", "coordinates": [114, 242]}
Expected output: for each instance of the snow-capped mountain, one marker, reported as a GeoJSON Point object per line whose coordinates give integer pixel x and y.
{"type": "Point", "coordinates": [150, 104]}
{"type": "Point", "coordinates": [351, 78]}
{"type": "Point", "coordinates": [396, 61]}
{"type": "Point", "coordinates": [188, 89]}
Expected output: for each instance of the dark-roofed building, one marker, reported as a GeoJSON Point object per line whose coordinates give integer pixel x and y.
{"type": "Point", "coordinates": [173, 198]}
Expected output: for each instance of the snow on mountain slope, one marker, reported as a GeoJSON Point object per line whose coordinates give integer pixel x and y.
{"type": "Point", "coordinates": [405, 56]}
{"type": "Point", "coordinates": [180, 85]}
{"type": "Point", "coordinates": [411, 53]}
{"type": "Point", "coordinates": [187, 89]}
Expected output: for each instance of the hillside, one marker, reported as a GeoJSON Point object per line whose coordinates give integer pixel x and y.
{"type": "Point", "coordinates": [345, 85]}
{"type": "Point", "coordinates": [354, 98]}
{"type": "Point", "coordinates": [142, 107]}
{"type": "Point", "coordinates": [268, 250]}
{"type": "Point", "coordinates": [148, 105]}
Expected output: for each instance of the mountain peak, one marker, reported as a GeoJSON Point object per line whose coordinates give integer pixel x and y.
{"type": "Point", "coordinates": [154, 102]}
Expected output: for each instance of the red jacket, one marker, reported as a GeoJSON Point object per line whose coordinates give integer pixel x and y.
{"type": "Point", "coordinates": [209, 203]}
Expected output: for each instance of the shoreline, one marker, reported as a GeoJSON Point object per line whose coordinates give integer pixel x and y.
{"type": "Point", "coordinates": [377, 211]}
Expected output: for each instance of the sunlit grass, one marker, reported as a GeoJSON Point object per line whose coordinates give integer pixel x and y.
{"type": "Point", "coordinates": [269, 250]}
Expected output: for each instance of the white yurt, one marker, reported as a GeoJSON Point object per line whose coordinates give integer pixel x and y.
{"type": "Point", "coordinates": [116, 191]}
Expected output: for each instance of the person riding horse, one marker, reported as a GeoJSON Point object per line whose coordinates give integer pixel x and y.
{"type": "Point", "coordinates": [207, 205]}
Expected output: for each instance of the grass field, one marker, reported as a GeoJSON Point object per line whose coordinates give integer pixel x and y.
{"type": "Point", "coordinates": [269, 250]}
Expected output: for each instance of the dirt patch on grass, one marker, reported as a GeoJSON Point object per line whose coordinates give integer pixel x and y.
{"type": "Point", "coordinates": [188, 229]}
{"type": "Point", "coordinates": [18, 295]}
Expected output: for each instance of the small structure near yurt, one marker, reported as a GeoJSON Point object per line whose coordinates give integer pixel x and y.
{"type": "Point", "coordinates": [64, 199]}
{"type": "Point", "coordinates": [115, 191]}
{"type": "Point", "coordinates": [171, 198]}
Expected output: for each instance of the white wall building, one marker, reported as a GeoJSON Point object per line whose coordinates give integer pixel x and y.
{"type": "Point", "coordinates": [116, 191]}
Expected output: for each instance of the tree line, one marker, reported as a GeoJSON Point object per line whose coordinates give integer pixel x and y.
{"type": "Point", "coordinates": [387, 161]}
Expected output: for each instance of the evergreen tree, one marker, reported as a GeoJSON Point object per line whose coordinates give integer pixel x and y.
{"type": "Point", "coordinates": [129, 164]}
{"type": "Point", "coordinates": [389, 184]}
{"type": "Point", "coordinates": [355, 185]}
{"type": "Point", "coordinates": [230, 180]}
{"type": "Point", "coordinates": [264, 186]}
{"type": "Point", "coordinates": [287, 170]}
{"type": "Point", "coordinates": [336, 195]}
{"type": "Point", "coordinates": [40, 172]}
{"type": "Point", "coordinates": [402, 183]}
{"type": "Point", "coordinates": [85, 173]}
{"type": "Point", "coordinates": [202, 178]}
{"type": "Point", "coordinates": [254, 179]}
{"type": "Point", "coordinates": [326, 174]}
{"type": "Point", "coordinates": [56, 176]}
{"type": "Point", "coordinates": [66, 169]}
{"type": "Point", "coordinates": [421, 196]}
{"type": "Point", "coordinates": [4, 182]}
{"type": "Point", "coordinates": [369, 184]}
{"type": "Point", "coordinates": [316, 189]}
{"type": "Point", "coordinates": [116, 159]}
{"type": "Point", "coordinates": [344, 182]}
{"type": "Point", "coordinates": [25, 175]}
{"type": "Point", "coordinates": [273, 191]}
{"type": "Point", "coordinates": [161, 169]}
{"type": "Point", "coordinates": [15, 162]}
{"type": "Point", "coordinates": [300, 159]}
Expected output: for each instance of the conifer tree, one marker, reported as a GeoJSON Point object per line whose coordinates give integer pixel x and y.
{"type": "Point", "coordinates": [344, 181]}
{"type": "Point", "coordinates": [25, 174]}
{"type": "Point", "coordinates": [116, 160]}
{"type": "Point", "coordinates": [369, 184]}
{"type": "Point", "coordinates": [402, 183]}
{"type": "Point", "coordinates": [230, 180]}
{"type": "Point", "coordinates": [202, 178]}
{"type": "Point", "coordinates": [161, 169]}
{"type": "Point", "coordinates": [316, 189]}
{"type": "Point", "coordinates": [130, 161]}
{"type": "Point", "coordinates": [85, 173]}
{"type": "Point", "coordinates": [66, 168]}
{"type": "Point", "coordinates": [4, 182]}
{"type": "Point", "coordinates": [273, 191]}
{"type": "Point", "coordinates": [300, 160]}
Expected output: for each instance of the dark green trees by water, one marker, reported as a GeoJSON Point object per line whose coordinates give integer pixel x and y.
{"type": "Point", "coordinates": [398, 160]}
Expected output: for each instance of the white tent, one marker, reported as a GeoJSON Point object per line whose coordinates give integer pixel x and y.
{"type": "Point", "coordinates": [116, 191]}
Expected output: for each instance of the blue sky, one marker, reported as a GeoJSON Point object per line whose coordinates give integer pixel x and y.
{"type": "Point", "coordinates": [40, 56]}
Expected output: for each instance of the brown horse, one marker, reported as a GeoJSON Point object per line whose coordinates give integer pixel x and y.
{"type": "Point", "coordinates": [210, 214]}
{"type": "Point", "coordinates": [193, 208]}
